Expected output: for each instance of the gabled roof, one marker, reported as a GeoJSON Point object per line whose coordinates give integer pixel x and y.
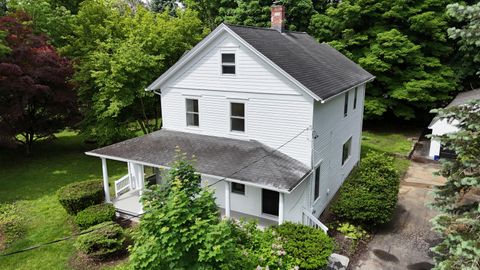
{"type": "Point", "coordinates": [460, 99]}
{"type": "Point", "coordinates": [215, 156]}
{"type": "Point", "coordinates": [314, 67]}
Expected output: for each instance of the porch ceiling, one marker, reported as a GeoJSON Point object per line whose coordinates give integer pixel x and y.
{"type": "Point", "coordinates": [214, 156]}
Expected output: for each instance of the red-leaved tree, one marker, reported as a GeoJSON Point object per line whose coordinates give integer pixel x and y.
{"type": "Point", "coordinates": [36, 97]}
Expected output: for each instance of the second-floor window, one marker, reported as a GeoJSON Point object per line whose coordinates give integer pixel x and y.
{"type": "Point", "coordinates": [228, 63]}
{"type": "Point", "coordinates": [345, 105]}
{"type": "Point", "coordinates": [355, 98]}
{"type": "Point", "coordinates": [237, 117]}
{"type": "Point", "coordinates": [316, 191]}
{"type": "Point", "coordinates": [192, 112]}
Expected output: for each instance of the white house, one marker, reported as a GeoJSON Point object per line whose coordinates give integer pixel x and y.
{"type": "Point", "coordinates": [441, 127]}
{"type": "Point", "coordinates": [273, 117]}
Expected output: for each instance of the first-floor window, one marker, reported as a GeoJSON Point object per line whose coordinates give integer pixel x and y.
{"type": "Point", "coordinates": [192, 112]}
{"type": "Point", "coordinates": [316, 191]}
{"type": "Point", "coordinates": [238, 188]}
{"type": "Point", "coordinates": [237, 117]}
{"type": "Point", "coordinates": [347, 147]}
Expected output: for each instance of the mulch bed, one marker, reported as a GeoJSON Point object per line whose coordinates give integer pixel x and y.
{"type": "Point", "coordinates": [80, 261]}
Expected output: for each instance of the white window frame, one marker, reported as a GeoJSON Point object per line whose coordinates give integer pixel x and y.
{"type": "Point", "coordinates": [228, 64]}
{"type": "Point", "coordinates": [349, 151]}
{"type": "Point", "coordinates": [187, 112]}
{"type": "Point", "coordinates": [317, 166]}
{"type": "Point", "coordinates": [237, 132]}
{"type": "Point", "coordinates": [240, 194]}
{"type": "Point", "coordinates": [355, 98]}
{"type": "Point", "coordinates": [345, 104]}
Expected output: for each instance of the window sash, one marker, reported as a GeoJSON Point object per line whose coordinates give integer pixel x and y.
{"type": "Point", "coordinates": [237, 117]}
{"type": "Point", "coordinates": [345, 106]}
{"type": "Point", "coordinates": [238, 188]}
{"type": "Point", "coordinates": [355, 98]}
{"type": "Point", "coordinates": [346, 150]}
{"type": "Point", "coordinates": [228, 63]}
{"type": "Point", "coordinates": [316, 192]}
{"type": "Point", "coordinates": [192, 112]}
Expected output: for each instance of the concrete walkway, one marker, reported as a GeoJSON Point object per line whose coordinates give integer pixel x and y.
{"type": "Point", "coordinates": [405, 242]}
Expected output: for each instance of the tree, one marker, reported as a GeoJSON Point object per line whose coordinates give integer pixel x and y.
{"type": "Point", "coordinates": [181, 228]}
{"type": "Point", "coordinates": [404, 45]}
{"type": "Point", "coordinates": [467, 37]}
{"type": "Point", "coordinates": [459, 207]}
{"type": "Point", "coordinates": [47, 18]}
{"type": "Point", "coordinates": [163, 5]}
{"type": "Point", "coordinates": [36, 98]}
{"type": "Point", "coordinates": [118, 56]}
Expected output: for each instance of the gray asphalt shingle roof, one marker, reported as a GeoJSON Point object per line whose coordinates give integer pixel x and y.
{"type": "Point", "coordinates": [319, 67]}
{"type": "Point", "coordinates": [461, 98]}
{"type": "Point", "coordinates": [214, 155]}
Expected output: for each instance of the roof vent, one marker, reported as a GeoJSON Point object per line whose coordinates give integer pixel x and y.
{"type": "Point", "coordinates": [278, 16]}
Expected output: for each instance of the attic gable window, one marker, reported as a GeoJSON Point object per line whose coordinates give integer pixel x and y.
{"type": "Point", "coordinates": [228, 63]}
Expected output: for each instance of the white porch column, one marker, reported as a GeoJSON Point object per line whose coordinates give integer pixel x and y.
{"type": "Point", "coordinates": [280, 208]}
{"type": "Point", "coordinates": [227, 199]}
{"type": "Point", "coordinates": [106, 188]}
{"type": "Point", "coordinates": [141, 178]}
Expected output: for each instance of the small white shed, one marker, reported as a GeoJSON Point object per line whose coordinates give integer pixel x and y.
{"type": "Point", "coordinates": [441, 127]}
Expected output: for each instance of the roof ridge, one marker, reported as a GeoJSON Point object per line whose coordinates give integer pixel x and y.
{"type": "Point", "coordinates": [266, 28]}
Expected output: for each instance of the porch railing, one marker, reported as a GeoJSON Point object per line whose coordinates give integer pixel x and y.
{"type": "Point", "coordinates": [122, 185]}
{"type": "Point", "coordinates": [310, 220]}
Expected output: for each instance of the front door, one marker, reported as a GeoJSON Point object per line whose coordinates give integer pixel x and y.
{"type": "Point", "coordinates": [269, 202]}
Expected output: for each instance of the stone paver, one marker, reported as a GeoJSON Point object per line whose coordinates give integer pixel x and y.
{"type": "Point", "coordinates": [405, 242]}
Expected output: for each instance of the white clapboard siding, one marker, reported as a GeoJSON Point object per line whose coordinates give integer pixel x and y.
{"type": "Point", "coordinates": [333, 130]}
{"type": "Point", "coordinates": [275, 110]}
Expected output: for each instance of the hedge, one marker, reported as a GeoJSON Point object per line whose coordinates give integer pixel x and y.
{"type": "Point", "coordinates": [370, 196]}
{"type": "Point", "coordinates": [101, 241]}
{"type": "Point", "coordinates": [311, 246]}
{"type": "Point", "coordinates": [77, 196]}
{"type": "Point", "coordinates": [94, 215]}
{"type": "Point", "coordinates": [12, 225]}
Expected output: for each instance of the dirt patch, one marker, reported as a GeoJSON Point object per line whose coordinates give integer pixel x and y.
{"type": "Point", "coordinates": [80, 261]}
{"type": "Point", "coordinates": [385, 256]}
{"type": "Point", "coordinates": [420, 266]}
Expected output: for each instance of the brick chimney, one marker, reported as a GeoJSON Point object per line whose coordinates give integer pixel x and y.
{"type": "Point", "coordinates": [278, 17]}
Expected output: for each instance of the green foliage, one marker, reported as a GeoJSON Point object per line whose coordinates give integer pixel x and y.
{"type": "Point", "coordinates": [182, 230]}
{"type": "Point", "coordinates": [94, 215]}
{"type": "Point", "coordinates": [310, 246]}
{"type": "Point", "coordinates": [459, 207]}
{"type": "Point", "coordinates": [369, 197]}
{"type": "Point", "coordinates": [101, 241]}
{"type": "Point", "coordinates": [77, 196]}
{"type": "Point", "coordinates": [55, 21]}
{"type": "Point", "coordinates": [4, 49]}
{"type": "Point", "coordinates": [467, 34]}
{"type": "Point", "coordinates": [351, 231]}
{"type": "Point", "coordinates": [403, 45]}
{"type": "Point", "coordinates": [11, 224]}
{"type": "Point", "coordinates": [169, 6]}
{"type": "Point", "coordinates": [119, 53]}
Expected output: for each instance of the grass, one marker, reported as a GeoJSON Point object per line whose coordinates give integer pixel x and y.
{"type": "Point", "coordinates": [32, 182]}
{"type": "Point", "coordinates": [396, 143]}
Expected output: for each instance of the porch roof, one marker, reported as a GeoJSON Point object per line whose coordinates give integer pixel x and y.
{"type": "Point", "coordinates": [216, 156]}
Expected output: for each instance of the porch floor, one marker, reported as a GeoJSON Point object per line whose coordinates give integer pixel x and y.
{"type": "Point", "coordinates": [129, 203]}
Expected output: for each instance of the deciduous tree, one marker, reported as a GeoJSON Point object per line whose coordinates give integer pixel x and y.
{"type": "Point", "coordinates": [36, 97]}
{"type": "Point", "coordinates": [458, 200]}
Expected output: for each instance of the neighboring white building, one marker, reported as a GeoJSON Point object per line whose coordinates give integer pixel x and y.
{"type": "Point", "coordinates": [441, 127]}
{"type": "Point", "coordinates": [273, 117]}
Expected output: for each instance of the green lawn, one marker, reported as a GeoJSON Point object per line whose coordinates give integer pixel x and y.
{"type": "Point", "coordinates": [389, 142]}
{"type": "Point", "coordinates": [32, 182]}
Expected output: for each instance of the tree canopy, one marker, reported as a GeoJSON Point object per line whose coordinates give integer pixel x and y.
{"type": "Point", "coordinates": [457, 200]}
{"type": "Point", "coordinates": [36, 97]}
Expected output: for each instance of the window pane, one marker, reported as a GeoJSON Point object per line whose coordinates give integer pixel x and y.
{"type": "Point", "coordinates": [238, 109]}
{"type": "Point", "coordinates": [345, 107]}
{"type": "Point", "coordinates": [346, 150]}
{"type": "Point", "coordinates": [228, 58]}
{"type": "Point", "coordinates": [355, 99]}
{"type": "Point", "coordinates": [238, 188]}
{"type": "Point", "coordinates": [238, 124]}
{"type": "Point", "coordinates": [192, 119]}
{"type": "Point", "coordinates": [228, 69]}
{"type": "Point", "coordinates": [192, 105]}
{"type": "Point", "coordinates": [317, 183]}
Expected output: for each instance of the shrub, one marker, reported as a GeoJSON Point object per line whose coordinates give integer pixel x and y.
{"type": "Point", "coordinates": [94, 215]}
{"type": "Point", "coordinates": [312, 247]}
{"type": "Point", "coordinates": [369, 197]}
{"type": "Point", "coordinates": [11, 224]}
{"type": "Point", "coordinates": [101, 241]}
{"type": "Point", "coordinates": [77, 196]}
{"type": "Point", "coordinates": [351, 231]}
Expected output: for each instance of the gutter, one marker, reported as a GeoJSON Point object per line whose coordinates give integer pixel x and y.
{"type": "Point", "coordinates": [348, 89]}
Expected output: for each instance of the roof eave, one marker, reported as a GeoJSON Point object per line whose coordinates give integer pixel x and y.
{"type": "Point", "coordinates": [350, 88]}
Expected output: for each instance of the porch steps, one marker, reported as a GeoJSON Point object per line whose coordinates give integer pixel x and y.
{"type": "Point", "coordinates": [125, 214]}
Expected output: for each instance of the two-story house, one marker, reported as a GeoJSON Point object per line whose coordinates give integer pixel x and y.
{"type": "Point", "coordinates": [273, 117]}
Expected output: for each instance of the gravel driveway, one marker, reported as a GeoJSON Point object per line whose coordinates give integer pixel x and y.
{"type": "Point", "coordinates": [405, 242]}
